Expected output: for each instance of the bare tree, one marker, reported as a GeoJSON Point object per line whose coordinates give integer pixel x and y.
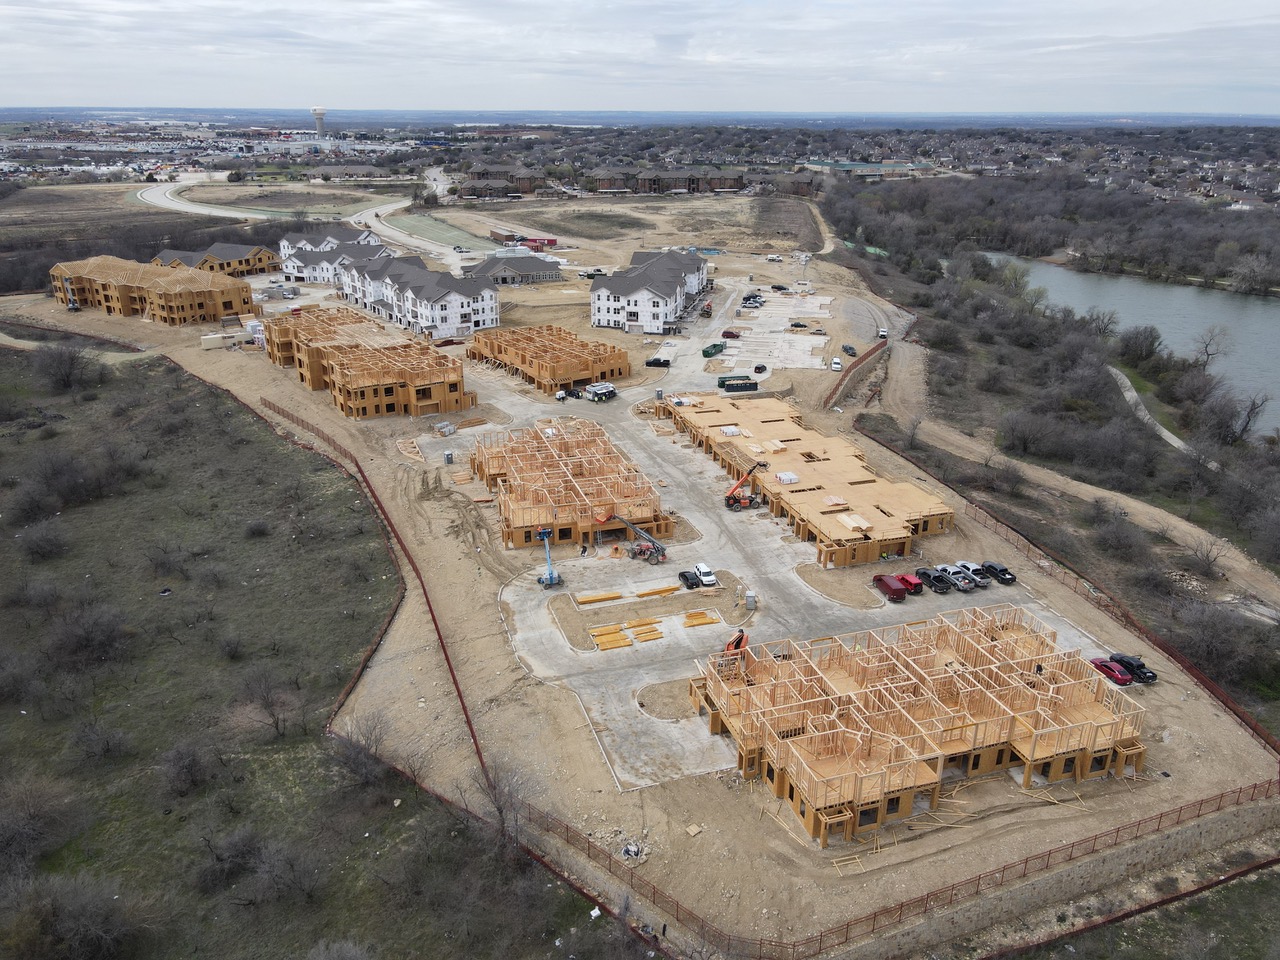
{"type": "Point", "coordinates": [1206, 551]}
{"type": "Point", "coordinates": [1211, 343]}
{"type": "Point", "coordinates": [913, 428]}
{"type": "Point", "coordinates": [359, 746]}
{"type": "Point", "coordinates": [184, 768]}
{"type": "Point", "coordinates": [96, 741]}
{"type": "Point", "coordinates": [65, 366]}
{"type": "Point", "coordinates": [78, 917]}
{"type": "Point", "coordinates": [264, 691]}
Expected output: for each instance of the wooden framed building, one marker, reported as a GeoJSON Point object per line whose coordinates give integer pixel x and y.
{"type": "Point", "coordinates": [854, 731]}
{"type": "Point", "coordinates": [550, 357]}
{"type": "Point", "coordinates": [174, 296]}
{"type": "Point", "coordinates": [565, 473]}
{"type": "Point", "coordinates": [368, 370]}
{"type": "Point", "coordinates": [822, 486]}
{"type": "Point", "coordinates": [231, 259]}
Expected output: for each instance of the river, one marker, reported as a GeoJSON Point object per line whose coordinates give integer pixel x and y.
{"type": "Point", "coordinates": [1182, 313]}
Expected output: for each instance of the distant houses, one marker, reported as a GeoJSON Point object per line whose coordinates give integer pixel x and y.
{"type": "Point", "coordinates": [649, 296]}
{"type": "Point", "coordinates": [668, 180]}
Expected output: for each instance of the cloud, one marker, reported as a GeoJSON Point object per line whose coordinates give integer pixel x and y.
{"type": "Point", "coordinates": [805, 56]}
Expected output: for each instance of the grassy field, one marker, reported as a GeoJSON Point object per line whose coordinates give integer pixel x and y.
{"type": "Point", "coordinates": [184, 596]}
{"type": "Point", "coordinates": [84, 212]}
{"type": "Point", "coordinates": [588, 224]}
{"type": "Point", "coordinates": [306, 198]}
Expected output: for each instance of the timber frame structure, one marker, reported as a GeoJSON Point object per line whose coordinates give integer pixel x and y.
{"type": "Point", "coordinates": [172, 296]}
{"type": "Point", "coordinates": [368, 370]}
{"type": "Point", "coordinates": [565, 474]}
{"type": "Point", "coordinates": [550, 357]}
{"type": "Point", "coordinates": [852, 731]}
{"type": "Point", "coordinates": [821, 485]}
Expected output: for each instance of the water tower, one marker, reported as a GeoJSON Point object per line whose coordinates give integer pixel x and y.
{"type": "Point", "coordinates": [318, 113]}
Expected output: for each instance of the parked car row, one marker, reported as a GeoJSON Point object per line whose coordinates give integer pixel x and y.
{"type": "Point", "coordinates": [1123, 669]}
{"type": "Point", "coordinates": [965, 575]}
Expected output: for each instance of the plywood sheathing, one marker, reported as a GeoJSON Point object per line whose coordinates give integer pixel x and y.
{"type": "Point", "coordinates": [822, 486]}
{"type": "Point", "coordinates": [550, 357]}
{"type": "Point", "coordinates": [565, 474]}
{"type": "Point", "coordinates": [850, 729]}
{"type": "Point", "coordinates": [368, 370]}
{"type": "Point", "coordinates": [172, 296]}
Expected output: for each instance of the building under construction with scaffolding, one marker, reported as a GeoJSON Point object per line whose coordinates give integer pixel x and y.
{"type": "Point", "coordinates": [859, 730]}
{"type": "Point", "coordinates": [550, 357]}
{"type": "Point", "coordinates": [174, 296]}
{"type": "Point", "coordinates": [368, 370]}
{"type": "Point", "coordinates": [565, 474]}
{"type": "Point", "coordinates": [822, 486]}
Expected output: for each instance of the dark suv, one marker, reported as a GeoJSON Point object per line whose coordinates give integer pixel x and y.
{"type": "Point", "coordinates": [936, 581]}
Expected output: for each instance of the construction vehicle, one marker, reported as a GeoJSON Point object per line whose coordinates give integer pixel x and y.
{"type": "Point", "coordinates": [738, 642]}
{"type": "Point", "coordinates": [706, 309]}
{"type": "Point", "coordinates": [647, 547]}
{"type": "Point", "coordinates": [73, 305]}
{"type": "Point", "coordinates": [550, 578]}
{"type": "Point", "coordinates": [735, 500]}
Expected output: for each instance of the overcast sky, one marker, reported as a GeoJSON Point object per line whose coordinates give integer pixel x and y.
{"type": "Point", "coordinates": [753, 55]}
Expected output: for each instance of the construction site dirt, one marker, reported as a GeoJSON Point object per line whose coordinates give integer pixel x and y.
{"type": "Point", "coordinates": [600, 738]}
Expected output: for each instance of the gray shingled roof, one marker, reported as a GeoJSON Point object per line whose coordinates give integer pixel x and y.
{"type": "Point", "coordinates": [663, 273]}
{"type": "Point", "coordinates": [521, 265]}
{"type": "Point", "coordinates": [412, 274]}
{"type": "Point", "coordinates": [189, 257]}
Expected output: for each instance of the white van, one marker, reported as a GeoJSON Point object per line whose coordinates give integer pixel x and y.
{"type": "Point", "coordinates": [706, 576]}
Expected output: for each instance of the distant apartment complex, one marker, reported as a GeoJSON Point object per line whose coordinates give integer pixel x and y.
{"type": "Point", "coordinates": [430, 303]}
{"type": "Point", "coordinates": [672, 180]}
{"type": "Point", "coordinates": [173, 296]}
{"type": "Point", "coordinates": [650, 295]}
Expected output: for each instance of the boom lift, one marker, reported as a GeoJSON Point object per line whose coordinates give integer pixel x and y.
{"type": "Point", "coordinates": [649, 548]}
{"type": "Point", "coordinates": [550, 578]}
{"type": "Point", "coordinates": [735, 501]}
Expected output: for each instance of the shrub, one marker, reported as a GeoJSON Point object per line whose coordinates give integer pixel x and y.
{"type": "Point", "coordinates": [80, 917]}
{"type": "Point", "coordinates": [257, 528]}
{"type": "Point", "coordinates": [92, 632]}
{"type": "Point", "coordinates": [183, 769]}
{"type": "Point", "coordinates": [43, 541]}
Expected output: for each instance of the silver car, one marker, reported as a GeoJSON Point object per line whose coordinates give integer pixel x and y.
{"type": "Point", "coordinates": [959, 579]}
{"type": "Point", "coordinates": [975, 572]}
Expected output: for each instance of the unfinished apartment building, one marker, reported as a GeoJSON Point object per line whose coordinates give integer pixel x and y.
{"type": "Point", "coordinates": [565, 474]}
{"type": "Point", "coordinates": [172, 296]}
{"type": "Point", "coordinates": [820, 485]}
{"type": "Point", "coordinates": [368, 370]}
{"type": "Point", "coordinates": [550, 357]}
{"type": "Point", "coordinates": [856, 731]}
